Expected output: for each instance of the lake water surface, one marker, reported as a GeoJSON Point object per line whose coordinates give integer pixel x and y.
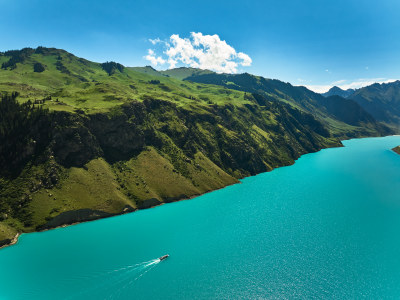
{"type": "Point", "coordinates": [326, 227]}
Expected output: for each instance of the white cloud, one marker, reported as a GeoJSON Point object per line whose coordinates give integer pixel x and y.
{"type": "Point", "coordinates": [172, 63]}
{"type": "Point", "coordinates": [154, 60]}
{"type": "Point", "coordinates": [155, 41]}
{"type": "Point", "coordinates": [246, 59]}
{"type": "Point", "coordinates": [201, 51]}
{"type": "Point", "coordinates": [345, 84]}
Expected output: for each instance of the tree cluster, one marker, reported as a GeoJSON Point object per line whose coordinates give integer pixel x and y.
{"type": "Point", "coordinates": [38, 68]}
{"type": "Point", "coordinates": [111, 67]}
{"type": "Point", "coordinates": [25, 130]}
{"type": "Point", "coordinates": [154, 81]}
{"type": "Point", "coordinates": [16, 56]}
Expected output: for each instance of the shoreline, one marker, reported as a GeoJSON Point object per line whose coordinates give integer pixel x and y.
{"type": "Point", "coordinates": [10, 242]}
{"type": "Point", "coordinates": [14, 240]}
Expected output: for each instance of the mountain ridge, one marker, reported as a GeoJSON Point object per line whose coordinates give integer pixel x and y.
{"type": "Point", "coordinates": [382, 101]}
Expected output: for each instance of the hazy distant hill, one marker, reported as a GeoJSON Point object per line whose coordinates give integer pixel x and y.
{"type": "Point", "coordinates": [337, 91]}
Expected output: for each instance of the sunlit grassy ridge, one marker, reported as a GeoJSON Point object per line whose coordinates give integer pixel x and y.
{"type": "Point", "coordinates": [80, 84]}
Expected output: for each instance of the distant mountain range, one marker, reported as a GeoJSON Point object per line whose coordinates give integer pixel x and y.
{"type": "Point", "coordinates": [336, 113]}
{"type": "Point", "coordinates": [382, 101]}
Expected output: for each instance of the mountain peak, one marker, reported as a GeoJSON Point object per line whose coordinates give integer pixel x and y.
{"type": "Point", "coordinates": [337, 91]}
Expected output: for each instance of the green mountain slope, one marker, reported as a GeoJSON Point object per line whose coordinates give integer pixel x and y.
{"type": "Point", "coordinates": [85, 140]}
{"type": "Point", "coordinates": [73, 83]}
{"type": "Point", "coordinates": [325, 109]}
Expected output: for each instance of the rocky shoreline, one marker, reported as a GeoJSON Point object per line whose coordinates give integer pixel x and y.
{"type": "Point", "coordinates": [9, 242]}
{"type": "Point", "coordinates": [396, 149]}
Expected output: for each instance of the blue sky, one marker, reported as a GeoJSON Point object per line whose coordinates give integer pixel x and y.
{"type": "Point", "coordinates": [307, 42]}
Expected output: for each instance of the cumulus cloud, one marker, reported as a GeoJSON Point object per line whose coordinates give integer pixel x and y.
{"type": "Point", "coordinates": [154, 60]}
{"type": "Point", "coordinates": [346, 84]}
{"type": "Point", "coordinates": [200, 51]}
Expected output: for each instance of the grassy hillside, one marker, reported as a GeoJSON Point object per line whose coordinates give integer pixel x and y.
{"type": "Point", "coordinates": [75, 84]}
{"type": "Point", "coordinates": [343, 117]}
{"type": "Point", "coordinates": [84, 140]}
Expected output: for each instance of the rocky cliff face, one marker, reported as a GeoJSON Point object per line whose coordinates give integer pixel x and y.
{"type": "Point", "coordinates": [396, 149]}
{"type": "Point", "coordinates": [247, 139]}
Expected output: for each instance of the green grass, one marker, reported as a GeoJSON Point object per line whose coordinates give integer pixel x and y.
{"type": "Point", "coordinates": [94, 186]}
{"type": "Point", "coordinates": [6, 231]}
{"type": "Point", "coordinates": [88, 87]}
{"type": "Point", "coordinates": [107, 187]}
{"type": "Point", "coordinates": [137, 176]}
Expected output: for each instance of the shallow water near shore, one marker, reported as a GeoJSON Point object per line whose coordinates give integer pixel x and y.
{"type": "Point", "coordinates": [326, 227]}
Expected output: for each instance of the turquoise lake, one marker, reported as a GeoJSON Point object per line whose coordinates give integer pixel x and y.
{"type": "Point", "coordinates": [326, 227]}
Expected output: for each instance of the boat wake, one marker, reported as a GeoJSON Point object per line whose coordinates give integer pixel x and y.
{"type": "Point", "coordinates": [114, 282]}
